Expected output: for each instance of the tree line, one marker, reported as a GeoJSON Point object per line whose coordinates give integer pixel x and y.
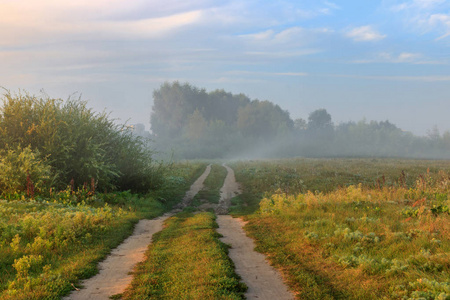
{"type": "Point", "coordinates": [193, 123]}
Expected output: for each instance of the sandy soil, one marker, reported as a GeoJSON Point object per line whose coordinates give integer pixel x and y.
{"type": "Point", "coordinates": [114, 270]}
{"type": "Point", "coordinates": [229, 190]}
{"type": "Point", "coordinates": [114, 275]}
{"type": "Point", "coordinates": [263, 281]}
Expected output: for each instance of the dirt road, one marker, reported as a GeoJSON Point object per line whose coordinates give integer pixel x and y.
{"type": "Point", "coordinates": [263, 281]}
{"type": "Point", "coordinates": [229, 190]}
{"type": "Point", "coordinates": [196, 187]}
{"type": "Point", "coordinates": [114, 270]}
{"type": "Point", "coordinates": [114, 276]}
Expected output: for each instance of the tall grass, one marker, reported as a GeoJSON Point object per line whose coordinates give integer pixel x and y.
{"type": "Point", "coordinates": [387, 237]}
{"type": "Point", "coordinates": [77, 143]}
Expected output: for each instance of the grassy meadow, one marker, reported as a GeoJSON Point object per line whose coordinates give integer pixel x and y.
{"type": "Point", "coordinates": [352, 228]}
{"type": "Point", "coordinates": [48, 244]}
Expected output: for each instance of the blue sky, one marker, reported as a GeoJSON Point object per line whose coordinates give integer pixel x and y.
{"type": "Point", "coordinates": [378, 60]}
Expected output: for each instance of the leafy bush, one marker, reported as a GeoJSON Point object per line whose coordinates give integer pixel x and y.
{"type": "Point", "coordinates": [21, 170]}
{"type": "Point", "coordinates": [78, 143]}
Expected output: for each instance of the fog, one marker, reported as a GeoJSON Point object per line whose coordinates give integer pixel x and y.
{"type": "Point", "coordinates": [188, 122]}
{"type": "Point", "coordinates": [384, 60]}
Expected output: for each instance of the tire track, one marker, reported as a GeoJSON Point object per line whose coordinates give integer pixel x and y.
{"type": "Point", "coordinates": [264, 282]}
{"type": "Point", "coordinates": [114, 272]}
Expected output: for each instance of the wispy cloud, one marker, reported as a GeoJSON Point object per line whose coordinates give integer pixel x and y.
{"type": "Point", "coordinates": [428, 78]}
{"type": "Point", "coordinates": [365, 34]}
{"type": "Point", "coordinates": [259, 73]}
{"type": "Point", "coordinates": [420, 4]}
{"type": "Point", "coordinates": [404, 57]}
{"type": "Point", "coordinates": [400, 58]}
{"type": "Point", "coordinates": [441, 20]}
{"type": "Point", "coordinates": [425, 16]}
{"type": "Point", "coordinates": [51, 22]}
{"type": "Point", "coordinates": [272, 36]}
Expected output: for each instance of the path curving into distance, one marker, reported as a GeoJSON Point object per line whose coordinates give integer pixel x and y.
{"type": "Point", "coordinates": [264, 282]}
{"type": "Point", "coordinates": [196, 187]}
{"type": "Point", "coordinates": [229, 190]}
{"type": "Point", "coordinates": [114, 272]}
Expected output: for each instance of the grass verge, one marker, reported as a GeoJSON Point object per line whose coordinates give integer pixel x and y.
{"type": "Point", "coordinates": [186, 261]}
{"type": "Point", "coordinates": [48, 245]}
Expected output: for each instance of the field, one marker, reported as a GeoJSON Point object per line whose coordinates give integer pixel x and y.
{"type": "Point", "coordinates": [48, 244]}
{"type": "Point", "coordinates": [352, 228]}
{"type": "Point", "coordinates": [336, 228]}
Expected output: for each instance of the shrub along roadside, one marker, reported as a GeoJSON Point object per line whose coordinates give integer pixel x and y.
{"type": "Point", "coordinates": [78, 144]}
{"type": "Point", "coordinates": [186, 261]}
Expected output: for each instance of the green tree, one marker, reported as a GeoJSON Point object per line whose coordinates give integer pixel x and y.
{"type": "Point", "coordinates": [263, 119]}
{"type": "Point", "coordinates": [196, 126]}
{"type": "Point", "coordinates": [319, 119]}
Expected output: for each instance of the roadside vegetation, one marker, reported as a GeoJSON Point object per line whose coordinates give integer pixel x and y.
{"type": "Point", "coordinates": [50, 143]}
{"type": "Point", "coordinates": [48, 244]}
{"type": "Point", "coordinates": [353, 229]}
{"type": "Point", "coordinates": [186, 261]}
{"type": "Point", "coordinates": [73, 185]}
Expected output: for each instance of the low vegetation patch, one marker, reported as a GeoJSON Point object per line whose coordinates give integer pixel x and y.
{"type": "Point", "coordinates": [49, 243]}
{"type": "Point", "coordinates": [186, 261]}
{"type": "Point", "coordinates": [384, 238]}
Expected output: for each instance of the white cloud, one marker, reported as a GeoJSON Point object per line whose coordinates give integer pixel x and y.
{"type": "Point", "coordinates": [270, 35]}
{"type": "Point", "coordinates": [441, 20]}
{"type": "Point", "coordinates": [408, 57]}
{"type": "Point", "coordinates": [425, 16]}
{"type": "Point", "coordinates": [403, 57]}
{"type": "Point", "coordinates": [332, 5]}
{"type": "Point", "coordinates": [253, 73]}
{"type": "Point", "coordinates": [429, 78]}
{"type": "Point", "coordinates": [263, 35]}
{"type": "Point", "coordinates": [365, 34]}
{"type": "Point", "coordinates": [417, 4]}
{"type": "Point", "coordinates": [427, 3]}
{"type": "Point", "coordinates": [62, 21]}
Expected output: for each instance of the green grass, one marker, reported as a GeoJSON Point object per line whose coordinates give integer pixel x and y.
{"type": "Point", "coordinates": [212, 185]}
{"type": "Point", "coordinates": [186, 261]}
{"type": "Point", "coordinates": [300, 175]}
{"type": "Point", "coordinates": [47, 245]}
{"type": "Point", "coordinates": [326, 229]}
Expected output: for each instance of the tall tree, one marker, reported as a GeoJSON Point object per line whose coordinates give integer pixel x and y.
{"type": "Point", "coordinates": [319, 119]}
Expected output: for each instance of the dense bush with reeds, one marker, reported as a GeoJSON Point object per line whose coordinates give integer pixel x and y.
{"type": "Point", "coordinates": [78, 146]}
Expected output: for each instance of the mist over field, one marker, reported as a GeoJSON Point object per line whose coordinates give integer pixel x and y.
{"type": "Point", "coordinates": [189, 122]}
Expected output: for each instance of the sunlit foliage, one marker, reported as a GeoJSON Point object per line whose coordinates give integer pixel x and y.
{"type": "Point", "coordinates": [78, 144]}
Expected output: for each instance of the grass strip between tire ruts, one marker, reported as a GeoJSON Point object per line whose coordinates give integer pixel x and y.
{"type": "Point", "coordinates": [186, 261]}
